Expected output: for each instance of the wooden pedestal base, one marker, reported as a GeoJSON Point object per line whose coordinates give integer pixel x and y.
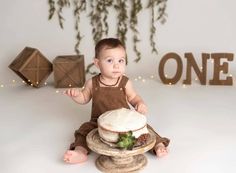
{"type": "Point", "coordinates": [120, 165]}
{"type": "Point", "coordinates": [115, 160]}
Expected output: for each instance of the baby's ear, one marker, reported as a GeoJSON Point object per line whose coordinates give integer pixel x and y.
{"type": "Point", "coordinates": [95, 61]}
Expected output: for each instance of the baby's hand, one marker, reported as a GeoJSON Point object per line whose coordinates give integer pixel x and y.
{"type": "Point", "coordinates": [72, 92]}
{"type": "Point", "coordinates": [141, 108]}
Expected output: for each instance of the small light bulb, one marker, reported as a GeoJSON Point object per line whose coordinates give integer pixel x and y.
{"type": "Point", "coordinates": [57, 91]}
{"type": "Point", "coordinates": [135, 79]}
{"type": "Point", "coordinates": [23, 81]}
{"type": "Point", "coordinates": [143, 80]}
{"type": "Point", "coordinates": [151, 76]}
{"type": "Point", "coordinates": [170, 83]}
{"type": "Point", "coordinates": [166, 75]}
{"type": "Point", "coordinates": [2, 86]}
{"type": "Point", "coordinates": [69, 85]}
{"type": "Point", "coordinates": [196, 78]}
{"type": "Point", "coordinates": [31, 84]}
{"type": "Point", "coordinates": [231, 75]}
{"type": "Point", "coordinates": [45, 83]}
{"type": "Point", "coordinates": [139, 77]}
{"type": "Point", "coordinates": [13, 81]}
{"type": "Point", "coordinates": [28, 80]}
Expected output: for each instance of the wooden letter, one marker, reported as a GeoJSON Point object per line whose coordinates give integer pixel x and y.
{"type": "Point", "coordinates": [178, 73]}
{"type": "Point", "coordinates": [221, 68]}
{"type": "Point", "coordinates": [192, 63]}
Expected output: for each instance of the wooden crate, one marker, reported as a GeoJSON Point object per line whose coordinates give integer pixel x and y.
{"type": "Point", "coordinates": [69, 71]}
{"type": "Point", "coordinates": [32, 66]}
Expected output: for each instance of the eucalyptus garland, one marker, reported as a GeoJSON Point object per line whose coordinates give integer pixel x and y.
{"type": "Point", "coordinates": [98, 20]}
{"type": "Point", "coordinates": [136, 8]}
{"type": "Point", "coordinates": [125, 19]}
{"type": "Point", "coordinates": [61, 5]}
{"type": "Point", "coordinates": [161, 11]}
{"type": "Point", "coordinates": [52, 8]}
{"type": "Point", "coordinates": [160, 5]}
{"type": "Point", "coordinates": [80, 6]}
{"type": "Point", "coordinates": [122, 27]}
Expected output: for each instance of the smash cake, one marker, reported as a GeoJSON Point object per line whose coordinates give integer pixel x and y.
{"type": "Point", "coordinates": [123, 125]}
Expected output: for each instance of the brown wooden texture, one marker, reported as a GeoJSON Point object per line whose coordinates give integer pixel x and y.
{"type": "Point", "coordinates": [115, 160]}
{"type": "Point", "coordinates": [178, 73]}
{"type": "Point", "coordinates": [69, 71]}
{"type": "Point", "coordinates": [192, 64]}
{"type": "Point", "coordinates": [32, 66]}
{"type": "Point", "coordinates": [221, 68]}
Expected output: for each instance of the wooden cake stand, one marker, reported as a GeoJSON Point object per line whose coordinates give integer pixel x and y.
{"type": "Point", "coordinates": [115, 160]}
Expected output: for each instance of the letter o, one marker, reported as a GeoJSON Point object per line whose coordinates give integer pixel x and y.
{"type": "Point", "coordinates": [179, 70]}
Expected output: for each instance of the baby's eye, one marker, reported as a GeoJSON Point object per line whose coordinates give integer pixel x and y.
{"type": "Point", "coordinates": [121, 61]}
{"type": "Point", "coordinates": [109, 60]}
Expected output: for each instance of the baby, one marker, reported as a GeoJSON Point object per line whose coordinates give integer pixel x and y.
{"type": "Point", "coordinates": [109, 90]}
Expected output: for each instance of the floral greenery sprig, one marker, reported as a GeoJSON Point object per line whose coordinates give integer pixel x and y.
{"type": "Point", "coordinates": [105, 5]}
{"type": "Point", "coordinates": [122, 26]}
{"type": "Point", "coordinates": [52, 8]}
{"type": "Point", "coordinates": [62, 4]}
{"type": "Point", "coordinates": [98, 16]}
{"type": "Point", "coordinates": [80, 6]}
{"type": "Point", "coordinates": [162, 11]}
{"type": "Point", "coordinates": [136, 8]}
{"type": "Point", "coordinates": [161, 7]}
{"type": "Point", "coordinates": [153, 28]}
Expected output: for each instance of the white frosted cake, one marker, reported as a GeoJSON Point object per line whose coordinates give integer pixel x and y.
{"type": "Point", "coordinates": [113, 123]}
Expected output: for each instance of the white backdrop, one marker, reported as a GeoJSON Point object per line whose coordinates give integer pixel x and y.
{"type": "Point", "coordinates": [192, 26]}
{"type": "Point", "coordinates": [37, 125]}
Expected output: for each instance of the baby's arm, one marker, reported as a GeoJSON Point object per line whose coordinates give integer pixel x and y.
{"type": "Point", "coordinates": [134, 99]}
{"type": "Point", "coordinates": [81, 96]}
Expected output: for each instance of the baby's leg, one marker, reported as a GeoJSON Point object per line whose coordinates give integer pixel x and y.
{"type": "Point", "coordinates": [79, 150]}
{"type": "Point", "coordinates": [78, 155]}
{"type": "Point", "coordinates": [160, 150]}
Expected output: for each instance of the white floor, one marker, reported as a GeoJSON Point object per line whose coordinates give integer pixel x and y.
{"type": "Point", "coordinates": [37, 126]}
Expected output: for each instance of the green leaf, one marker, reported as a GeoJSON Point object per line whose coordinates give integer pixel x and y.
{"type": "Point", "coordinates": [126, 140]}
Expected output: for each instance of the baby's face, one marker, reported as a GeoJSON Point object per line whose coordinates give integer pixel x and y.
{"type": "Point", "coordinates": [111, 62]}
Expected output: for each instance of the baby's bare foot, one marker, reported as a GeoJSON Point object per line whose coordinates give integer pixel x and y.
{"type": "Point", "coordinates": [161, 150]}
{"type": "Point", "coordinates": [78, 155]}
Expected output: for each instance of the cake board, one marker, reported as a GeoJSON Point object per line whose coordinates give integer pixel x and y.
{"type": "Point", "coordinates": [115, 160]}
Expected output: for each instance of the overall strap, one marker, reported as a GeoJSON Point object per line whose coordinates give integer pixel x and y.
{"type": "Point", "coordinates": [95, 83]}
{"type": "Point", "coordinates": [123, 82]}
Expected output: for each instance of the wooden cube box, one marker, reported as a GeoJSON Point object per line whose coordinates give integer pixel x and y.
{"type": "Point", "coordinates": [32, 66]}
{"type": "Point", "coordinates": [69, 71]}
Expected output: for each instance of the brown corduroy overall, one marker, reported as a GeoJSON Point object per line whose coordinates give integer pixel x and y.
{"type": "Point", "coordinates": [105, 99]}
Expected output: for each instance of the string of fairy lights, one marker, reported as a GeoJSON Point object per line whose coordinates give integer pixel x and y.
{"type": "Point", "coordinates": [139, 78]}
{"type": "Point", "coordinates": [15, 83]}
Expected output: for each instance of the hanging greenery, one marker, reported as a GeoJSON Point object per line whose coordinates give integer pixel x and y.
{"type": "Point", "coordinates": [136, 8]}
{"type": "Point", "coordinates": [80, 6]}
{"type": "Point", "coordinates": [160, 7]}
{"type": "Point", "coordinates": [127, 17]}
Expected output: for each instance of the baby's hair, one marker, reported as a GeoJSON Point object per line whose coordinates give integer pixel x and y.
{"type": "Point", "coordinates": [107, 43]}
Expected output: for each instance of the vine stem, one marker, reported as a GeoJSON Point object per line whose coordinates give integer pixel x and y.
{"type": "Point", "coordinates": [99, 16]}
